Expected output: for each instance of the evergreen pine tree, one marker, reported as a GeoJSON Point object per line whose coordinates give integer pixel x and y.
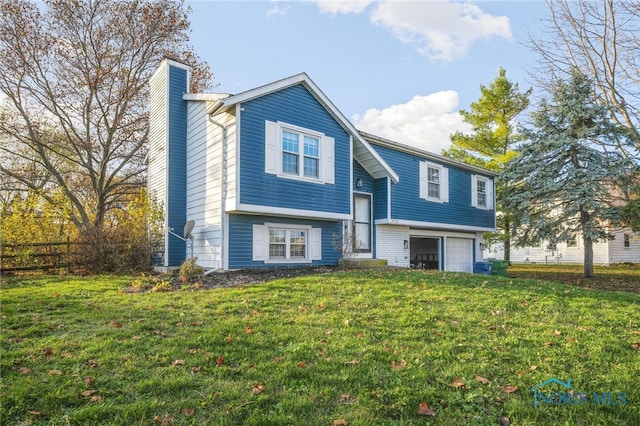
{"type": "Point", "coordinates": [561, 182]}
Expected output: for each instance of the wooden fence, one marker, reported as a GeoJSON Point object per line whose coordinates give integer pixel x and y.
{"type": "Point", "coordinates": [36, 256]}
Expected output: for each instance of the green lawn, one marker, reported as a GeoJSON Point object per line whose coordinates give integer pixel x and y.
{"type": "Point", "coordinates": [356, 347]}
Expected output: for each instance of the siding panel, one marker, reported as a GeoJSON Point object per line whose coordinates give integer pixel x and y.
{"type": "Point", "coordinates": [294, 105]}
{"type": "Point", "coordinates": [241, 245]}
{"type": "Point", "coordinates": [407, 205]}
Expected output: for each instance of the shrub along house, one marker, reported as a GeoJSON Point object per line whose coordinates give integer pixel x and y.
{"type": "Point", "coordinates": [275, 175]}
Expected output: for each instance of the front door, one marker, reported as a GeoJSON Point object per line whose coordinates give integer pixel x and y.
{"type": "Point", "coordinates": [362, 223]}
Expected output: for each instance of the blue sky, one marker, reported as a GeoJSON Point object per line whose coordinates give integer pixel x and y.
{"type": "Point", "coordinates": [397, 69]}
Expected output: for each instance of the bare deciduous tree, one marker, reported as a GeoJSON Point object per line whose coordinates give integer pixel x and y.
{"type": "Point", "coordinates": [75, 81]}
{"type": "Point", "coordinates": [601, 39]}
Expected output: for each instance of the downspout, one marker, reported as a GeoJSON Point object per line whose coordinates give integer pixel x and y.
{"type": "Point", "coordinates": [223, 187]}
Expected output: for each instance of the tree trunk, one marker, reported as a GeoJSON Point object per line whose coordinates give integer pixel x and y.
{"type": "Point", "coordinates": [588, 257]}
{"type": "Point", "coordinates": [507, 241]}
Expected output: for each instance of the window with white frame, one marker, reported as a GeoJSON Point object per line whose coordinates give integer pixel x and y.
{"type": "Point", "coordinates": [572, 242]}
{"type": "Point", "coordinates": [434, 182]}
{"type": "Point", "coordinates": [297, 153]}
{"type": "Point", "coordinates": [284, 243]}
{"type": "Point", "coordinates": [481, 192]}
{"type": "Point", "coordinates": [287, 244]}
{"type": "Point", "coordinates": [433, 179]}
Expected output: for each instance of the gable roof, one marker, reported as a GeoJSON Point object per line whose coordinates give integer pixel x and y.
{"type": "Point", "coordinates": [363, 152]}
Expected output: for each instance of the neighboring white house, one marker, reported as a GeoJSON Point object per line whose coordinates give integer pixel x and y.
{"type": "Point", "coordinates": [623, 248]}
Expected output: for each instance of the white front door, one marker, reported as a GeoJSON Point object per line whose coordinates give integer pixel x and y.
{"type": "Point", "coordinates": [459, 255]}
{"type": "Point", "coordinates": [362, 224]}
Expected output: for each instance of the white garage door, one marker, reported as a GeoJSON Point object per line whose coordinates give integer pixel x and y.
{"type": "Point", "coordinates": [459, 255]}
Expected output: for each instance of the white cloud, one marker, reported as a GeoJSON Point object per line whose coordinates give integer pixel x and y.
{"type": "Point", "coordinates": [424, 122]}
{"type": "Point", "coordinates": [440, 30]}
{"type": "Point", "coordinates": [278, 8]}
{"type": "Point", "coordinates": [349, 6]}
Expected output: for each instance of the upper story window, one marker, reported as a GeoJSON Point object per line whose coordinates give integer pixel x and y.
{"type": "Point", "coordinates": [481, 192]}
{"type": "Point", "coordinates": [433, 177]}
{"type": "Point", "coordinates": [572, 241]}
{"type": "Point", "coordinates": [434, 182]}
{"type": "Point", "coordinates": [298, 153]}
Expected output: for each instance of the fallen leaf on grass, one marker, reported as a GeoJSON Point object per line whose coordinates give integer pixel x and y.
{"type": "Point", "coordinates": [352, 362]}
{"type": "Point", "coordinates": [509, 389]}
{"type": "Point", "coordinates": [47, 352]}
{"type": "Point", "coordinates": [55, 373]}
{"type": "Point", "coordinates": [533, 367]}
{"type": "Point", "coordinates": [556, 333]}
{"type": "Point", "coordinates": [88, 381]}
{"type": "Point", "coordinates": [397, 365]}
{"type": "Point", "coordinates": [89, 392]}
{"type": "Point", "coordinates": [178, 362]}
{"type": "Point", "coordinates": [188, 411]}
{"type": "Point", "coordinates": [96, 398]}
{"type": "Point", "coordinates": [34, 413]}
{"type": "Point", "coordinates": [424, 410]}
{"type": "Point", "coordinates": [229, 338]}
{"type": "Point", "coordinates": [196, 369]}
{"type": "Point", "coordinates": [340, 422]}
{"type": "Point", "coordinates": [24, 370]}
{"type": "Point", "coordinates": [219, 361]}
{"type": "Point", "coordinates": [482, 380]}
{"type": "Point", "coordinates": [301, 364]}
{"type": "Point", "coordinates": [67, 355]}
{"type": "Point", "coordinates": [258, 388]}
{"type": "Point", "coordinates": [636, 345]}
{"type": "Point", "coordinates": [457, 383]}
{"type": "Point", "coordinates": [346, 398]}
{"type": "Point", "coordinates": [117, 324]}
{"type": "Point", "coordinates": [249, 330]}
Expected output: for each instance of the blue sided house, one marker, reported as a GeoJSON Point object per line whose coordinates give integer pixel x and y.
{"type": "Point", "coordinates": [277, 176]}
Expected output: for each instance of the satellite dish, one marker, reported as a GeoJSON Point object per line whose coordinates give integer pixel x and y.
{"type": "Point", "coordinates": [188, 227]}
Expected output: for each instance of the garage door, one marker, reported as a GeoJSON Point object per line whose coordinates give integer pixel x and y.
{"type": "Point", "coordinates": [459, 255]}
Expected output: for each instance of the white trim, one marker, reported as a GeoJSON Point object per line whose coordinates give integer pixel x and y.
{"type": "Point", "coordinates": [443, 178]}
{"type": "Point", "coordinates": [282, 211]}
{"type": "Point", "coordinates": [274, 153]}
{"type": "Point", "coordinates": [204, 96]}
{"type": "Point", "coordinates": [433, 225]}
{"type": "Point", "coordinates": [225, 236]}
{"type": "Point", "coordinates": [309, 250]}
{"type": "Point", "coordinates": [489, 192]}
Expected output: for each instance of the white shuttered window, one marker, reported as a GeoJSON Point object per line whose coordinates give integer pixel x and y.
{"type": "Point", "coordinates": [294, 152]}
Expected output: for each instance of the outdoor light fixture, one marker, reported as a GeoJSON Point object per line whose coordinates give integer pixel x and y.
{"type": "Point", "coordinates": [358, 182]}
